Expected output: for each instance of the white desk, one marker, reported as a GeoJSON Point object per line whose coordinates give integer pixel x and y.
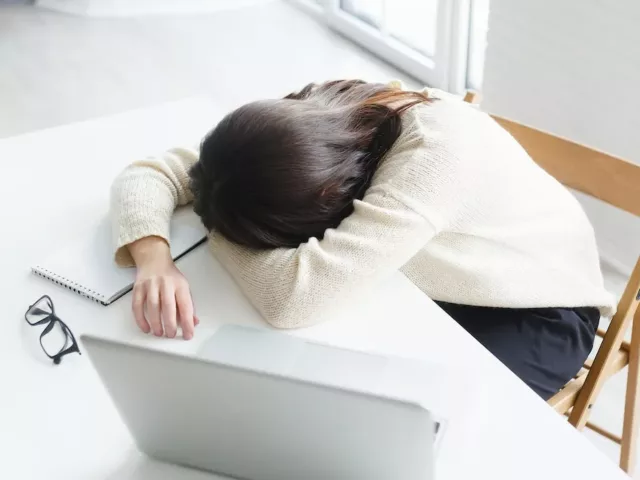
{"type": "Point", "coordinates": [56, 422]}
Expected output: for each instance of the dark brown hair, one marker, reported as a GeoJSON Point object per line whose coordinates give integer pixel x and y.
{"type": "Point", "coordinates": [275, 173]}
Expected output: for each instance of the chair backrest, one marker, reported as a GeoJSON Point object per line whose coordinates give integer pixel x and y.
{"type": "Point", "coordinates": [608, 178]}
{"type": "Point", "coordinates": [585, 169]}
{"type": "Point", "coordinates": [613, 180]}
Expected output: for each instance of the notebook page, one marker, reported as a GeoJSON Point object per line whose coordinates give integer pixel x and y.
{"type": "Point", "coordinates": [89, 262]}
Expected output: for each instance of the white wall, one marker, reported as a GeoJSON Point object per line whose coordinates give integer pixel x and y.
{"type": "Point", "coordinates": [572, 67]}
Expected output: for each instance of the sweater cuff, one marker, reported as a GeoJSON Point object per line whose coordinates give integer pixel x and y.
{"type": "Point", "coordinates": [157, 225]}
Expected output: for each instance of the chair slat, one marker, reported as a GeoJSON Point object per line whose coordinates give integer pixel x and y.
{"type": "Point", "coordinates": [566, 398]}
{"type": "Point", "coordinates": [605, 433]}
{"type": "Point", "coordinates": [590, 171]}
{"type": "Point", "coordinates": [608, 354]}
{"type": "Point", "coordinates": [631, 423]}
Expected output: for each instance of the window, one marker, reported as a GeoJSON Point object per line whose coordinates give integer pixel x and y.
{"type": "Point", "coordinates": [439, 42]}
{"type": "Point", "coordinates": [479, 24]}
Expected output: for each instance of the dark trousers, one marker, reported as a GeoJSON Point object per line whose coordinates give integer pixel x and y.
{"type": "Point", "coordinates": [545, 347]}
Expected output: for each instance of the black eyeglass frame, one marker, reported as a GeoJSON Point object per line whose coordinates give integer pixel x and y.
{"type": "Point", "coordinates": [51, 320]}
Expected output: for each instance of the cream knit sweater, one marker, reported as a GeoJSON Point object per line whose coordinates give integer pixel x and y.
{"type": "Point", "coordinates": [457, 205]}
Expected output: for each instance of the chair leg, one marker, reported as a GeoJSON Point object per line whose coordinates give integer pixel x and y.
{"type": "Point", "coordinates": [631, 413]}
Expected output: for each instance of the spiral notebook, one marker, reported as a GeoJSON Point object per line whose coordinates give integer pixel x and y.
{"type": "Point", "coordinates": [88, 268]}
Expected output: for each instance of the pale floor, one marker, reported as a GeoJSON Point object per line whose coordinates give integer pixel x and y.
{"type": "Point", "coordinates": [57, 69]}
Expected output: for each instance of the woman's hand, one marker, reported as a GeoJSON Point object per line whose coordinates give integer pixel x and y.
{"type": "Point", "coordinates": [161, 296]}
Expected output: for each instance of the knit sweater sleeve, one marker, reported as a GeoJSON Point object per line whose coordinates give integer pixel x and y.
{"type": "Point", "coordinates": [301, 286]}
{"type": "Point", "coordinates": [144, 196]}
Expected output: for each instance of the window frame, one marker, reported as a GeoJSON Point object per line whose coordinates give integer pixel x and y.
{"type": "Point", "coordinates": [446, 70]}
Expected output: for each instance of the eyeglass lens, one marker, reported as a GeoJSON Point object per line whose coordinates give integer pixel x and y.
{"type": "Point", "coordinates": [39, 311]}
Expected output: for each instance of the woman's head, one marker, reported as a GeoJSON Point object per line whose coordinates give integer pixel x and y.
{"type": "Point", "coordinates": [275, 173]}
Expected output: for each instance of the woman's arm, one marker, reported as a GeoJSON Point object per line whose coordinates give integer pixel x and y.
{"type": "Point", "coordinates": [299, 287]}
{"type": "Point", "coordinates": [143, 198]}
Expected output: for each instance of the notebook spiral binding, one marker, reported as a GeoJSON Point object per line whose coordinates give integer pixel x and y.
{"type": "Point", "coordinates": [69, 284]}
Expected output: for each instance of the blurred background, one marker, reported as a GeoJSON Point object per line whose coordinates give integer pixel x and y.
{"type": "Point", "coordinates": [67, 60]}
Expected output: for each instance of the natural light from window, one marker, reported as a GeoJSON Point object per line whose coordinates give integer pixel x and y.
{"type": "Point", "coordinates": [439, 42]}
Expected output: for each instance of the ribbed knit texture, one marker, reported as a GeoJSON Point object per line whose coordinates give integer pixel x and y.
{"type": "Point", "coordinates": [457, 205]}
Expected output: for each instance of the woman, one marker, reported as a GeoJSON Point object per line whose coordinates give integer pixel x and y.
{"type": "Point", "coordinates": [313, 198]}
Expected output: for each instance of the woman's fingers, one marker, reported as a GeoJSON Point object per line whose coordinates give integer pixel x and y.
{"type": "Point", "coordinates": [185, 310]}
{"type": "Point", "coordinates": [138, 308]}
{"type": "Point", "coordinates": [162, 301]}
{"type": "Point", "coordinates": [168, 304]}
{"type": "Point", "coordinates": [153, 309]}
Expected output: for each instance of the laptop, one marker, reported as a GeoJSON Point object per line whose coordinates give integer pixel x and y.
{"type": "Point", "coordinates": [260, 405]}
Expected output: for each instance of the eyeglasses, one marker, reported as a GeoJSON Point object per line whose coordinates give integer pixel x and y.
{"type": "Point", "coordinates": [56, 339]}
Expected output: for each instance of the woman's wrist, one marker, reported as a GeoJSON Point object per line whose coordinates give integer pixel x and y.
{"type": "Point", "coordinates": [149, 251]}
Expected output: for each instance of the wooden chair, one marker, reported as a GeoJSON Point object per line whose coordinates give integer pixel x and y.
{"type": "Point", "coordinates": [616, 182]}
